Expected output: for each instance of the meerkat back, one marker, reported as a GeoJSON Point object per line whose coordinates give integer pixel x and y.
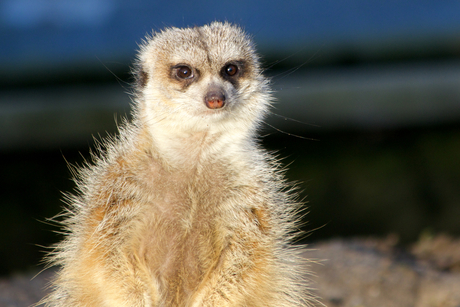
{"type": "Point", "coordinates": [183, 208]}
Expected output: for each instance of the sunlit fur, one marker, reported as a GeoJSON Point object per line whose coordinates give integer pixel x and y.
{"type": "Point", "coordinates": [182, 207]}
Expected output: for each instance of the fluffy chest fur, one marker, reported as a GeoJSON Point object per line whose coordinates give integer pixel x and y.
{"type": "Point", "coordinates": [183, 219]}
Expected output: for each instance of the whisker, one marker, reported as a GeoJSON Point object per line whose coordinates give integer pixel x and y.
{"type": "Point", "coordinates": [294, 69]}
{"type": "Point", "coordinates": [120, 81]}
{"type": "Point", "coordinates": [294, 120]}
{"type": "Point", "coordinates": [285, 58]}
{"type": "Point", "coordinates": [290, 134]}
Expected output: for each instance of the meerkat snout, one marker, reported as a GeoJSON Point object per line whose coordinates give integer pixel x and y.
{"type": "Point", "coordinates": [215, 98]}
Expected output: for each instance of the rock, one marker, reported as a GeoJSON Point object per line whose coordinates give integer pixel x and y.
{"type": "Point", "coordinates": [368, 273]}
{"type": "Point", "coordinates": [24, 290]}
{"type": "Point", "coordinates": [347, 273]}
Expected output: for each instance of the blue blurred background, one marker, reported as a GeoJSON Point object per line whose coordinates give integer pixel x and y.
{"type": "Point", "coordinates": [375, 84]}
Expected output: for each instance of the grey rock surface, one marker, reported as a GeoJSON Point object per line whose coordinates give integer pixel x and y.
{"type": "Point", "coordinates": [347, 273]}
{"type": "Point", "coordinates": [375, 273]}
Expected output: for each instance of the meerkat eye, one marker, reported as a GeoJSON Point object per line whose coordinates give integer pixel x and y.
{"type": "Point", "coordinates": [231, 70]}
{"type": "Point", "coordinates": [184, 72]}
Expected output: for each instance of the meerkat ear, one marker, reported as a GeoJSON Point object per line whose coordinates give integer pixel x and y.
{"type": "Point", "coordinates": [141, 76]}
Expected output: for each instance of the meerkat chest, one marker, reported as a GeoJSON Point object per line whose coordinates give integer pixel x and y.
{"type": "Point", "coordinates": [186, 227]}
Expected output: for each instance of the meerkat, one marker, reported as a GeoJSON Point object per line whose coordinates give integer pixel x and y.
{"type": "Point", "coordinates": [183, 207]}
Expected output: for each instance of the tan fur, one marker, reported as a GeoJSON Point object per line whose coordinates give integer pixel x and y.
{"type": "Point", "coordinates": [183, 208]}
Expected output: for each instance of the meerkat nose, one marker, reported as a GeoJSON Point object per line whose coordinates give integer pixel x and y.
{"type": "Point", "coordinates": [215, 99]}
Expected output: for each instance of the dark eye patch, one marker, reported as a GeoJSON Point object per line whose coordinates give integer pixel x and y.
{"type": "Point", "coordinates": [233, 71]}
{"type": "Point", "coordinates": [184, 72]}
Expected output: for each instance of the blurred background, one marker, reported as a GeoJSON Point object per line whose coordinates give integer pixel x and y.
{"type": "Point", "coordinates": [367, 113]}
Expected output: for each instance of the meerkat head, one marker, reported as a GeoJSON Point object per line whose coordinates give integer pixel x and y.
{"type": "Point", "coordinates": [200, 79]}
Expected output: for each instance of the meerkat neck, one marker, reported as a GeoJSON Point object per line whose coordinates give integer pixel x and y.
{"type": "Point", "coordinates": [189, 148]}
